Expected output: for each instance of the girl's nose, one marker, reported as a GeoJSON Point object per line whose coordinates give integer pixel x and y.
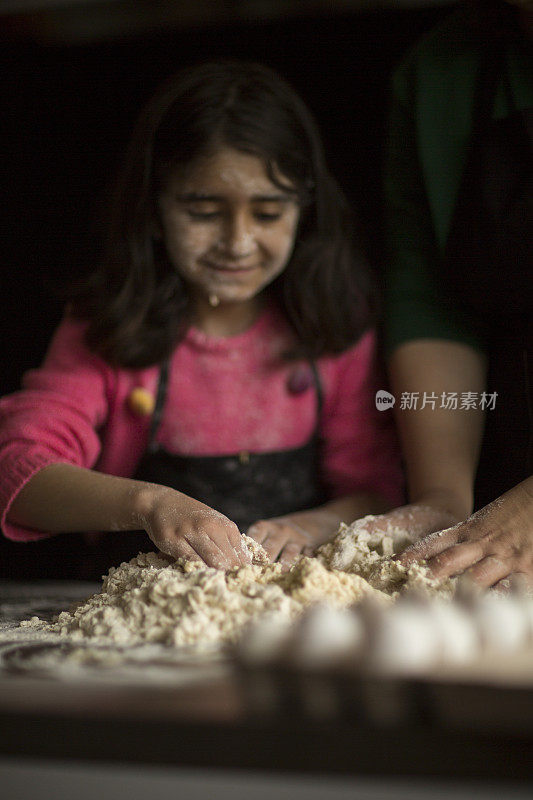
{"type": "Point", "coordinates": [238, 236]}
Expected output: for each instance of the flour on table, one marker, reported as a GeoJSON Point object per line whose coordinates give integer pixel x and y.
{"type": "Point", "coordinates": [154, 599]}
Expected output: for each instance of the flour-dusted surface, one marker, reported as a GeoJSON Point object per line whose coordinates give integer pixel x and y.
{"type": "Point", "coordinates": [154, 599]}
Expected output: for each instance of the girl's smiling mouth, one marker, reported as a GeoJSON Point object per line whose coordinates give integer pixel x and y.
{"type": "Point", "coordinates": [225, 269]}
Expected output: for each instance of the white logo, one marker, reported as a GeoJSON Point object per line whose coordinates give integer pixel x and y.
{"type": "Point", "coordinates": [384, 400]}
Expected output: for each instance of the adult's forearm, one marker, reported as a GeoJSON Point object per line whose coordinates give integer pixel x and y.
{"type": "Point", "coordinates": [440, 446]}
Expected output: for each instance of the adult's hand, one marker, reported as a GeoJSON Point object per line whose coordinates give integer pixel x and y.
{"type": "Point", "coordinates": [494, 543]}
{"type": "Point", "coordinates": [408, 523]}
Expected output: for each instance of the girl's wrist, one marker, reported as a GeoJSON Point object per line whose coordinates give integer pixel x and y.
{"type": "Point", "coordinates": [145, 498]}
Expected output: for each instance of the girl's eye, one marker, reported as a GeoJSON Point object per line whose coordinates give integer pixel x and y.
{"type": "Point", "coordinates": [202, 215]}
{"type": "Point", "coordinates": [209, 214]}
{"type": "Point", "coordinates": [263, 216]}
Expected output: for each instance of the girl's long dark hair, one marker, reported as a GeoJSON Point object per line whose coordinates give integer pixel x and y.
{"type": "Point", "coordinates": [136, 302]}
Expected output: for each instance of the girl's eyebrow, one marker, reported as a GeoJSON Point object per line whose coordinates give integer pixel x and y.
{"type": "Point", "coordinates": [194, 197]}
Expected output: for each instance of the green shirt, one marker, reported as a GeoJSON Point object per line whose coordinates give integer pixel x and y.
{"type": "Point", "coordinates": [429, 130]}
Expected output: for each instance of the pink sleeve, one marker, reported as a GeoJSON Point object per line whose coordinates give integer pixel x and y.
{"type": "Point", "coordinates": [55, 418]}
{"type": "Point", "coordinates": [361, 451]}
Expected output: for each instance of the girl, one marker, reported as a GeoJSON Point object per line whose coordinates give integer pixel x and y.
{"type": "Point", "coordinates": [216, 374]}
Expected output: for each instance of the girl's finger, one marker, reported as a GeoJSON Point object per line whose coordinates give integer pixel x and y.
{"type": "Point", "coordinates": [430, 546]}
{"type": "Point", "coordinates": [217, 532]}
{"type": "Point", "coordinates": [273, 543]}
{"type": "Point", "coordinates": [179, 548]}
{"type": "Point", "coordinates": [258, 531]}
{"type": "Point", "coordinates": [289, 554]}
{"type": "Point", "coordinates": [502, 587]}
{"type": "Point", "coordinates": [210, 551]}
{"type": "Point", "coordinates": [488, 572]}
{"type": "Point", "coordinates": [237, 547]}
{"type": "Point", "coordinates": [455, 560]}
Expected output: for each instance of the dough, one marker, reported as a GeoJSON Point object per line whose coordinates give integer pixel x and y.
{"type": "Point", "coordinates": [154, 599]}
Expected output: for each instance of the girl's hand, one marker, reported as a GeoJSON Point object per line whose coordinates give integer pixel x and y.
{"type": "Point", "coordinates": [492, 544]}
{"type": "Point", "coordinates": [286, 538]}
{"type": "Point", "coordinates": [182, 527]}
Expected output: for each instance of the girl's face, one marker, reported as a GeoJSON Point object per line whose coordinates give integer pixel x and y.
{"type": "Point", "coordinates": [228, 230]}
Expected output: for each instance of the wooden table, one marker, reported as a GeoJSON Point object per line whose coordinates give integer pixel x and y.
{"type": "Point", "coordinates": [206, 722]}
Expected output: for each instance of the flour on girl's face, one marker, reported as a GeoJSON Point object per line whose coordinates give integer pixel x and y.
{"type": "Point", "coordinates": [228, 230]}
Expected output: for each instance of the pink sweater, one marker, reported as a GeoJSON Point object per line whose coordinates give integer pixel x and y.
{"type": "Point", "coordinates": [224, 395]}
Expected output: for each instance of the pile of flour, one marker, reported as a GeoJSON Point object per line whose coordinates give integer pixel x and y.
{"type": "Point", "coordinates": [154, 599]}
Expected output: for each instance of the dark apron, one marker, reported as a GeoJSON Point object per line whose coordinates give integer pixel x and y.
{"type": "Point", "coordinates": [488, 271]}
{"type": "Point", "coordinates": [247, 486]}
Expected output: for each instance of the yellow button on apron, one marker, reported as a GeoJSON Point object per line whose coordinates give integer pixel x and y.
{"type": "Point", "coordinates": [141, 401]}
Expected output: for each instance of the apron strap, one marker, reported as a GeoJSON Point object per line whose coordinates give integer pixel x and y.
{"type": "Point", "coordinates": [159, 404]}
{"type": "Point", "coordinates": [319, 393]}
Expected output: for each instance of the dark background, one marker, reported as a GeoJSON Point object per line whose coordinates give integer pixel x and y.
{"type": "Point", "coordinates": [77, 74]}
